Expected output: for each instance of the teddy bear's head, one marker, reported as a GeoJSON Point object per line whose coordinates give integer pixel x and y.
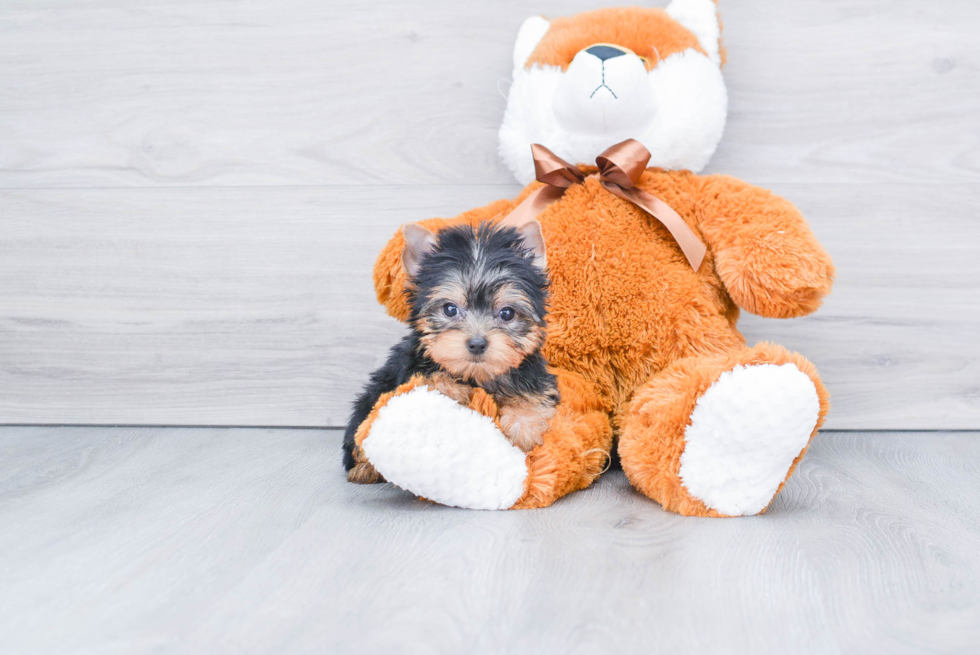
{"type": "Point", "coordinates": [585, 82]}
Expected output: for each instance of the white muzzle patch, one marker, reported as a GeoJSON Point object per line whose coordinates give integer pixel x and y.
{"type": "Point", "coordinates": [601, 94]}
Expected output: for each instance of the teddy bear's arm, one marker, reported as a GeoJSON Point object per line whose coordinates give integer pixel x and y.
{"type": "Point", "coordinates": [764, 252]}
{"type": "Point", "coordinates": [389, 274]}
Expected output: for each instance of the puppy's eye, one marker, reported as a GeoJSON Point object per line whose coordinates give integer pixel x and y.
{"type": "Point", "coordinates": [450, 310]}
{"type": "Point", "coordinates": [506, 314]}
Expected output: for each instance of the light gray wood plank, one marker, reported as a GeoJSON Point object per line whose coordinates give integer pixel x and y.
{"type": "Point", "coordinates": [896, 341]}
{"type": "Point", "coordinates": [250, 541]}
{"type": "Point", "coordinates": [255, 306]}
{"type": "Point", "coordinates": [852, 92]}
{"type": "Point", "coordinates": [197, 306]}
{"type": "Point", "coordinates": [102, 93]}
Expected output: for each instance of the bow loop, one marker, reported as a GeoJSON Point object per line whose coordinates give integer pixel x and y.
{"type": "Point", "coordinates": [623, 163]}
{"type": "Point", "coordinates": [551, 169]}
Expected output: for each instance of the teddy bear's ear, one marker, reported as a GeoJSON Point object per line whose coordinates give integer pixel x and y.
{"type": "Point", "coordinates": [531, 32]}
{"type": "Point", "coordinates": [701, 18]}
{"type": "Point", "coordinates": [418, 243]}
{"type": "Point", "coordinates": [534, 241]}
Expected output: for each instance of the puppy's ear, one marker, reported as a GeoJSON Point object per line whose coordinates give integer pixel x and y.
{"type": "Point", "coordinates": [534, 241]}
{"type": "Point", "coordinates": [418, 243]}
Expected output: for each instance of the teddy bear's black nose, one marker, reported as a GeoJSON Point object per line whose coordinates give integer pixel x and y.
{"type": "Point", "coordinates": [604, 52]}
{"type": "Point", "coordinates": [476, 345]}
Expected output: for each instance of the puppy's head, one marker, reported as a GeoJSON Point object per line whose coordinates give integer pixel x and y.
{"type": "Point", "coordinates": [478, 296]}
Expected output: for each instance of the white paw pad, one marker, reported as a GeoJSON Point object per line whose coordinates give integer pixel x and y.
{"type": "Point", "coordinates": [745, 432]}
{"type": "Point", "coordinates": [430, 445]}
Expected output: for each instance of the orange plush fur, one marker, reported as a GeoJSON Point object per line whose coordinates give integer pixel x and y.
{"type": "Point", "coordinates": [635, 335]}
{"type": "Point", "coordinates": [648, 32]}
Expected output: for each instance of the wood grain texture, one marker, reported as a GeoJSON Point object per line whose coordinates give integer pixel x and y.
{"type": "Point", "coordinates": [255, 306]}
{"type": "Point", "coordinates": [196, 306]}
{"type": "Point", "coordinates": [249, 541]}
{"type": "Point", "coordinates": [192, 194]}
{"type": "Point", "coordinates": [98, 93]}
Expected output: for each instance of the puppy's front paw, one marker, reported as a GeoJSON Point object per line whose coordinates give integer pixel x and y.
{"type": "Point", "coordinates": [524, 423]}
{"type": "Point", "coordinates": [363, 472]}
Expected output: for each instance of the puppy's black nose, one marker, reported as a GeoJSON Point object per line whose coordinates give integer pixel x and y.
{"type": "Point", "coordinates": [604, 52]}
{"type": "Point", "coordinates": [476, 345]}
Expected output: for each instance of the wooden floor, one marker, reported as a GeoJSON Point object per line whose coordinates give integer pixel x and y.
{"type": "Point", "coordinates": [131, 540]}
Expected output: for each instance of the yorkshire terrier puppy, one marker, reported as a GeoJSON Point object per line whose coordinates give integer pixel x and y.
{"type": "Point", "coordinates": [477, 299]}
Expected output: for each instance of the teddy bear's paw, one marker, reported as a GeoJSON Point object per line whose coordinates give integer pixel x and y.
{"type": "Point", "coordinates": [434, 447]}
{"type": "Point", "coordinates": [745, 432]}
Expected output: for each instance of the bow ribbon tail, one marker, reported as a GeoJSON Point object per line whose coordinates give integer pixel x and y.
{"type": "Point", "coordinates": [533, 205]}
{"type": "Point", "coordinates": [691, 245]}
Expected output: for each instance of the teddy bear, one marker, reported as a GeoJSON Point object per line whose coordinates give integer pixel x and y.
{"type": "Point", "coordinates": [641, 333]}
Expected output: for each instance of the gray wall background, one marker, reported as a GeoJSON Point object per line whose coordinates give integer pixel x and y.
{"type": "Point", "coordinates": [192, 194]}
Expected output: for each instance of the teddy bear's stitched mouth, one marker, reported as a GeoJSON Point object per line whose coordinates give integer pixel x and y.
{"type": "Point", "coordinates": [603, 86]}
{"type": "Point", "coordinates": [603, 83]}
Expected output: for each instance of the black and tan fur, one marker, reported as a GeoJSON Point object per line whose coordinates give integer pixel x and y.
{"type": "Point", "coordinates": [478, 299]}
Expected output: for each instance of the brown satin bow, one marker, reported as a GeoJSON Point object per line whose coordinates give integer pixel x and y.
{"type": "Point", "coordinates": [620, 167]}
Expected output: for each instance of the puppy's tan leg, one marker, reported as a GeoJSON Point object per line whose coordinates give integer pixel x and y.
{"type": "Point", "coordinates": [524, 420]}
{"type": "Point", "coordinates": [446, 385]}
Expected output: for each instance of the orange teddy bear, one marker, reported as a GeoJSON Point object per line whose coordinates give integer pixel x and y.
{"type": "Point", "coordinates": [645, 345]}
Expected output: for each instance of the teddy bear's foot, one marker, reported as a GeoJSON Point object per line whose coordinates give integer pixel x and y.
{"type": "Point", "coordinates": [429, 444]}
{"type": "Point", "coordinates": [745, 433]}
{"type": "Point", "coordinates": [719, 436]}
